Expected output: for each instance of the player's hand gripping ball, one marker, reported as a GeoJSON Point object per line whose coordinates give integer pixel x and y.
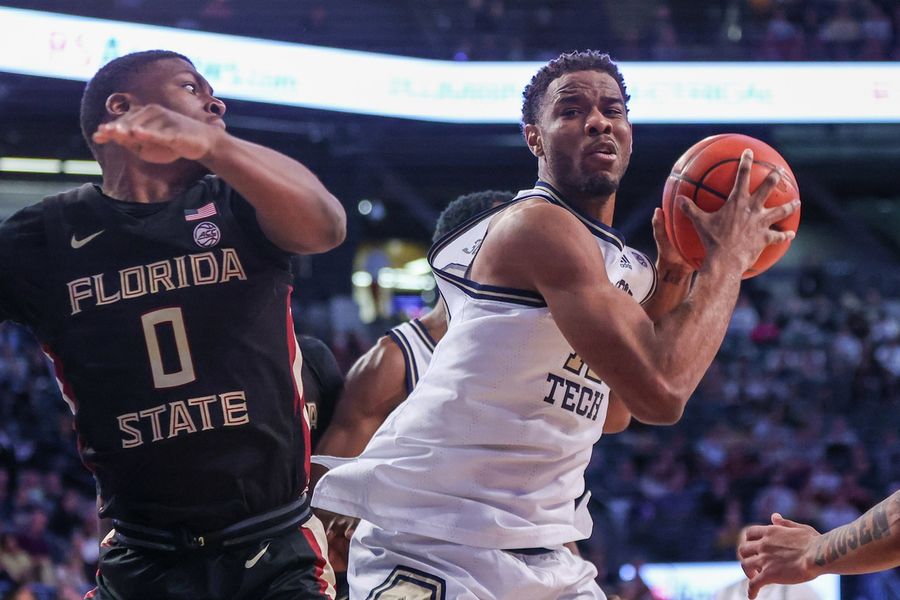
{"type": "Point", "coordinates": [706, 174]}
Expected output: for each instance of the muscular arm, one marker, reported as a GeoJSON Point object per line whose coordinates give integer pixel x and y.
{"type": "Point", "coordinates": [673, 285]}
{"type": "Point", "coordinates": [375, 386]}
{"type": "Point", "coordinates": [293, 208]}
{"type": "Point", "coordinates": [673, 273]}
{"type": "Point", "coordinates": [653, 368]}
{"type": "Point", "coordinates": [789, 552]}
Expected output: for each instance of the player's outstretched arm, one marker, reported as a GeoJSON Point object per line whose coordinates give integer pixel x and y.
{"type": "Point", "coordinates": [294, 209]}
{"type": "Point", "coordinates": [789, 552]}
{"type": "Point", "coordinates": [375, 386]}
{"type": "Point", "coordinates": [653, 368]}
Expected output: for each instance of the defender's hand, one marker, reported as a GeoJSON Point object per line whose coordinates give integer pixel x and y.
{"type": "Point", "coordinates": [338, 531]}
{"type": "Point", "coordinates": [777, 553]}
{"type": "Point", "coordinates": [742, 228]}
{"type": "Point", "coordinates": [158, 135]}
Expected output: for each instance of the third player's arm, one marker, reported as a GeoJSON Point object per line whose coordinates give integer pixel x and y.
{"type": "Point", "coordinates": [375, 385]}
{"type": "Point", "coordinates": [789, 552]}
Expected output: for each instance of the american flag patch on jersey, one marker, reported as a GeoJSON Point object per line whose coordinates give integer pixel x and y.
{"type": "Point", "coordinates": [205, 211]}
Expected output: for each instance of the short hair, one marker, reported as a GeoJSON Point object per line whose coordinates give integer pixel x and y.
{"type": "Point", "coordinates": [114, 76]}
{"type": "Point", "coordinates": [585, 60]}
{"type": "Point", "coordinates": [465, 207]}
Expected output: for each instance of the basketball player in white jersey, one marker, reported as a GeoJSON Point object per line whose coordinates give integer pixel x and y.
{"type": "Point", "coordinates": [384, 376]}
{"type": "Point", "coordinates": [469, 488]}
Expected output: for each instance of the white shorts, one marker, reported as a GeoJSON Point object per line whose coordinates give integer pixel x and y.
{"type": "Point", "coordinates": [390, 565]}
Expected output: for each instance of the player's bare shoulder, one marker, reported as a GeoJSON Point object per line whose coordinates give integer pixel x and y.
{"type": "Point", "coordinates": [527, 238]}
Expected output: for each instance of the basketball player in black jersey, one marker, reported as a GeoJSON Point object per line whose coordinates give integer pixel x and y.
{"type": "Point", "coordinates": [162, 298]}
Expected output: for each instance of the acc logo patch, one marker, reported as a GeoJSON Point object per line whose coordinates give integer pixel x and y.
{"type": "Point", "coordinates": [207, 234]}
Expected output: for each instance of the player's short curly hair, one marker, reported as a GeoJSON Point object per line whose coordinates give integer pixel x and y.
{"type": "Point", "coordinates": [585, 60]}
{"type": "Point", "coordinates": [465, 207]}
{"type": "Point", "coordinates": [114, 76]}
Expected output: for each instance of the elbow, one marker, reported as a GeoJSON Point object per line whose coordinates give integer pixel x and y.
{"type": "Point", "coordinates": [334, 235]}
{"type": "Point", "coordinates": [334, 229]}
{"type": "Point", "coordinates": [330, 234]}
{"type": "Point", "coordinates": [663, 404]}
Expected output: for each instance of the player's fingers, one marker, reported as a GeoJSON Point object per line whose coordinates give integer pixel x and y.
{"type": "Point", "coordinates": [765, 188]}
{"type": "Point", "coordinates": [776, 237]}
{"type": "Point", "coordinates": [777, 213]}
{"type": "Point", "coordinates": [749, 567]}
{"type": "Point", "coordinates": [691, 210]}
{"type": "Point", "coordinates": [754, 532]}
{"type": "Point", "coordinates": [659, 224]}
{"type": "Point", "coordinates": [742, 180]}
{"type": "Point", "coordinates": [748, 549]}
{"type": "Point", "coordinates": [753, 588]}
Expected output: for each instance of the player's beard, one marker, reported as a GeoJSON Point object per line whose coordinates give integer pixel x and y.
{"type": "Point", "coordinates": [598, 184]}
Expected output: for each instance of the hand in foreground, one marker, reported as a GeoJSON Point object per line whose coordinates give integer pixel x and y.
{"type": "Point", "coordinates": [742, 228]}
{"type": "Point", "coordinates": [778, 553]}
{"type": "Point", "coordinates": [159, 135]}
{"type": "Point", "coordinates": [338, 531]}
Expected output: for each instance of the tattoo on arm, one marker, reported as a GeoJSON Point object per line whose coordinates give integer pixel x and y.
{"type": "Point", "coordinates": [870, 527]}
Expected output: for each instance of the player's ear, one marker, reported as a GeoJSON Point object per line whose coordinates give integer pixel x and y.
{"type": "Point", "coordinates": [118, 104]}
{"type": "Point", "coordinates": [533, 139]}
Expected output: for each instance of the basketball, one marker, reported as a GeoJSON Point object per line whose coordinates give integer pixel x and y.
{"type": "Point", "coordinates": [706, 174]}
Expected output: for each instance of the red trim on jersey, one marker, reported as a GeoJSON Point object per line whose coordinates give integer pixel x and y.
{"type": "Point", "coordinates": [61, 378]}
{"type": "Point", "coordinates": [91, 593]}
{"type": "Point", "coordinates": [299, 402]}
{"type": "Point", "coordinates": [321, 561]}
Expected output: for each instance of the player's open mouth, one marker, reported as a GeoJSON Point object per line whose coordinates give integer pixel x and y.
{"type": "Point", "coordinates": [605, 151]}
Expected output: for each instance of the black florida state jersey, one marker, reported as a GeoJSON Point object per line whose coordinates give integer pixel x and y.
{"type": "Point", "coordinates": [169, 328]}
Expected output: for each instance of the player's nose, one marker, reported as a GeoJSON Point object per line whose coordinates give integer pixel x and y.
{"type": "Point", "coordinates": [216, 106]}
{"type": "Point", "coordinates": [596, 122]}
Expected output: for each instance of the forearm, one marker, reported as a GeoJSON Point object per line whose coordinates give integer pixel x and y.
{"type": "Point", "coordinates": [870, 543]}
{"type": "Point", "coordinates": [689, 336]}
{"type": "Point", "coordinates": [293, 208]}
{"type": "Point", "coordinates": [347, 439]}
{"type": "Point", "coordinates": [672, 287]}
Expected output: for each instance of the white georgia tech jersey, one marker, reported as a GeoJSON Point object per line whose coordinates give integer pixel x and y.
{"type": "Point", "coordinates": [417, 347]}
{"type": "Point", "coordinates": [490, 448]}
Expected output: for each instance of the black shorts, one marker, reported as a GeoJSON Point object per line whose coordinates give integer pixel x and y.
{"type": "Point", "coordinates": [291, 565]}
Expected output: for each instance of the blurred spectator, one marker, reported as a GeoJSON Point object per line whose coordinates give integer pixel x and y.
{"type": "Point", "coordinates": [14, 561]}
{"type": "Point", "coordinates": [840, 33]}
{"type": "Point", "coordinates": [880, 586]}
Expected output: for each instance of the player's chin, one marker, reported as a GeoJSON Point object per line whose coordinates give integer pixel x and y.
{"type": "Point", "coordinates": [600, 184]}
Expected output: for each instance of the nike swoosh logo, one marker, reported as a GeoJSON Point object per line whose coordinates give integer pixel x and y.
{"type": "Point", "coordinates": [76, 243]}
{"type": "Point", "coordinates": [252, 562]}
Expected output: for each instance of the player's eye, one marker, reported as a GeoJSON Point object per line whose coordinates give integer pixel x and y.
{"type": "Point", "coordinates": [191, 87]}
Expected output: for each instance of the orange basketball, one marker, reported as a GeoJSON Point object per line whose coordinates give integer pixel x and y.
{"type": "Point", "coordinates": [706, 174]}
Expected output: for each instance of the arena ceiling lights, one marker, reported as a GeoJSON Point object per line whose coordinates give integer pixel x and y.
{"type": "Point", "coordinates": [68, 47]}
